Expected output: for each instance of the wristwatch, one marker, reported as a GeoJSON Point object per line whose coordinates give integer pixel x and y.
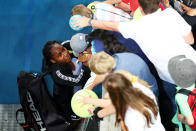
{"type": "Point", "coordinates": [89, 22]}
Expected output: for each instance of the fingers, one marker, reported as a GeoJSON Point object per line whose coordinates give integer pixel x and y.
{"type": "Point", "coordinates": [80, 22]}
{"type": "Point", "coordinates": [81, 100]}
{"type": "Point", "coordinates": [77, 26]}
{"type": "Point", "coordinates": [180, 117]}
{"type": "Point", "coordinates": [76, 23]}
{"type": "Point", "coordinates": [90, 110]}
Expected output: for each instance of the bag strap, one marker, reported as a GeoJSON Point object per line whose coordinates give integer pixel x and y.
{"type": "Point", "coordinates": [43, 74]}
{"type": "Point", "coordinates": [183, 125]}
{"type": "Point", "coordinates": [47, 72]}
{"type": "Point", "coordinates": [23, 125]}
{"type": "Point", "coordinates": [185, 92]}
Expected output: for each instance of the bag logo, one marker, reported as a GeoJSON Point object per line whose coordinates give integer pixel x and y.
{"type": "Point", "coordinates": [35, 112]}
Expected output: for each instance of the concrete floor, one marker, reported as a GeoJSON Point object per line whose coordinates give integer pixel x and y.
{"type": "Point", "coordinates": [8, 117]}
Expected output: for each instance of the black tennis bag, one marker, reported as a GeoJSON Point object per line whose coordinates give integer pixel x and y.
{"type": "Point", "coordinates": [39, 109]}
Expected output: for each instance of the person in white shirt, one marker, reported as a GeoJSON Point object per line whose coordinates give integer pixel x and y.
{"type": "Point", "coordinates": [135, 105]}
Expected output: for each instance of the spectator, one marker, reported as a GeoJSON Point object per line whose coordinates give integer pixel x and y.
{"type": "Point", "coordinates": [190, 16]}
{"type": "Point", "coordinates": [158, 38]}
{"type": "Point", "coordinates": [187, 9]}
{"type": "Point", "coordinates": [138, 113]}
{"type": "Point", "coordinates": [81, 46]}
{"type": "Point", "coordinates": [113, 42]}
{"type": "Point", "coordinates": [108, 109]}
{"type": "Point", "coordinates": [183, 72]}
{"type": "Point", "coordinates": [103, 64]}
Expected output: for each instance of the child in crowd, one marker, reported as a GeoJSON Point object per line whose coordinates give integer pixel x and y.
{"type": "Point", "coordinates": [103, 64]}
{"type": "Point", "coordinates": [105, 10]}
{"type": "Point", "coordinates": [183, 72]}
{"type": "Point", "coordinates": [101, 11]}
{"type": "Point", "coordinates": [59, 63]}
{"type": "Point", "coordinates": [105, 103]}
{"type": "Point", "coordinates": [136, 107]}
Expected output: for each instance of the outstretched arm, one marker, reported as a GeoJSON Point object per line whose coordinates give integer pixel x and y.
{"type": "Point", "coordinates": [108, 107]}
{"type": "Point", "coordinates": [105, 25]}
{"type": "Point", "coordinates": [112, 1]}
{"type": "Point", "coordinates": [98, 79]}
{"type": "Point", "coordinates": [104, 102]}
{"type": "Point", "coordinates": [108, 110]}
{"type": "Point", "coordinates": [98, 102]}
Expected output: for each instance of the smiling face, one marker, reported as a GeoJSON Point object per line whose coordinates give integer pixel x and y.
{"type": "Point", "coordinates": [60, 55]}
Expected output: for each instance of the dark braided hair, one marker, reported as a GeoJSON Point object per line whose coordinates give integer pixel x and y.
{"type": "Point", "coordinates": [46, 51]}
{"type": "Point", "coordinates": [111, 44]}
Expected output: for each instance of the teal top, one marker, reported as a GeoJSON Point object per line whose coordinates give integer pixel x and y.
{"type": "Point", "coordinates": [93, 48]}
{"type": "Point", "coordinates": [181, 100]}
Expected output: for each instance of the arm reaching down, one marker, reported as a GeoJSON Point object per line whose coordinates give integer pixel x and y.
{"type": "Point", "coordinates": [98, 79]}
{"type": "Point", "coordinates": [106, 111]}
{"type": "Point", "coordinates": [186, 120]}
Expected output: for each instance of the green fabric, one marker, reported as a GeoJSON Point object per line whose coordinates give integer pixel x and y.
{"type": "Point", "coordinates": [137, 14]}
{"type": "Point", "coordinates": [181, 100]}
